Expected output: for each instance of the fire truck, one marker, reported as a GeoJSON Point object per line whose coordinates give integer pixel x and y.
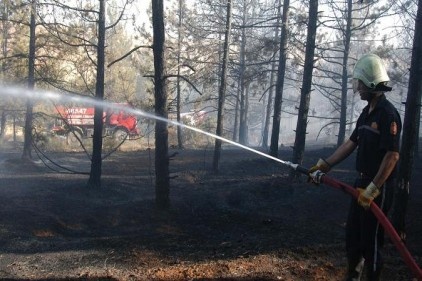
{"type": "Point", "coordinates": [78, 122]}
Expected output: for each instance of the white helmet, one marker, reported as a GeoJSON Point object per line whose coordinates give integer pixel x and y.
{"type": "Point", "coordinates": [371, 71]}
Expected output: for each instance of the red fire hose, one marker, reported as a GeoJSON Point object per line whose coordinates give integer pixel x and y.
{"type": "Point", "coordinates": [383, 220]}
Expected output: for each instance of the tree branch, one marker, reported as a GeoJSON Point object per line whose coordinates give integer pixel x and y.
{"type": "Point", "coordinates": [187, 80]}
{"type": "Point", "coordinates": [126, 55]}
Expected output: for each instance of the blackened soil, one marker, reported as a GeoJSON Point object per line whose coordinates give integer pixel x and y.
{"type": "Point", "coordinates": [250, 221]}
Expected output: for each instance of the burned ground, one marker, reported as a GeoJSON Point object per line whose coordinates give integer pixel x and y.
{"type": "Point", "coordinates": [248, 222]}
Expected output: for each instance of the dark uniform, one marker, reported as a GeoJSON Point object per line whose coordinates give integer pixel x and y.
{"type": "Point", "coordinates": [375, 134]}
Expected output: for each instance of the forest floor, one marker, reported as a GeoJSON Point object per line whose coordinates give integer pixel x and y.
{"type": "Point", "coordinates": [248, 222]}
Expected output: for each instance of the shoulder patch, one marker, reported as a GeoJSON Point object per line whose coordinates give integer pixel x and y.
{"type": "Point", "coordinates": [393, 128]}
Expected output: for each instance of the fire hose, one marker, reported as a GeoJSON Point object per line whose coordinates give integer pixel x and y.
{"type": "Point", "coordinates": [382, 219]}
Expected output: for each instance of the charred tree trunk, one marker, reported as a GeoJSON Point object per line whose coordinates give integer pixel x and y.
{"type": "Point", "coordinates": [3, 124]}
{"type": "Point", "coordinates": [179, 45]}
{"type": "Point", "coordinates": [97, 141]}
{"type": "Point", "coordinates": [343, 110]}
{"type": "Point", "coordinates": [413, 107]}
{"type": "Point", "coordinates": [222, 89]}
{"type": "Point", "coordinates": [236, 113]}
{"type": "Point", "coordinates": [269, 105]}
{"type": "Point", "coordinates": [417, 129]}
{"type": "Point", "coordinates": [305, 95]}
{"type": "Point", "coordinates": [27, 145]}
{"type": "Point", "coordinates": [14, 127]}
{"type": "Point", "coordinates": [242, 113]}
{"type": "Point", "coordinates": [418, 126]}
{"type": "Point", "coordinates": [243, 116]}
{"type": "Point", "coordinates": [280, 81]}
{"type": "Point", "coordinates": [5, 40]}
{"type": "Point", "coordinates": [162, 180]}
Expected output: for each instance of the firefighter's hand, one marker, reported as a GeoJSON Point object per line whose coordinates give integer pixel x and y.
{"type": "Point", "coordinates": [317, 170]}
{"type": "Point", "coordinates": [367, 195]}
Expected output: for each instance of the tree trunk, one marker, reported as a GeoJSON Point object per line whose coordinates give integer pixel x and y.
{"type": "Point", "coordinates": [344, 78]}
{"type": "Point", "coordinates": [266, 109]}
{"type": "Point", "coordinates": [413, 103]}
{"type": "Point", "coordinates": [162, 181]}
{"type": "Point", "coordinates": [27, 145]}
{"type": "Point", "coordinates": [242, 114]}
{"type": "Point", "coordinates": [417, 129]}
{"type": "Point", "coordinates": [242, 67]}
{"type": "Point", "coordinates": [222, 89]}
{"type": "Point", "coordinates": [3, 124]}
{"type": "Point", "coordinates": [302, 119]}
{"type": "Point", "coordinates": [14, 127]}
{"type": "Point", "coordinates": [269, 105]}
{"type": "Point", "coordinates": [280, 81]}
{"type": "Point", "coordinates": [5, 40]}
{"type": "Point", "coordinates": [243, 122]}
{"type": "Point", "coordinates": [97, 141]}
{"type": "Point", "coordinates": [236, 113]}
{"type": "Point", "coordinates": [246, 134]}
{"type": "Point", "coordinates": [179, 45]}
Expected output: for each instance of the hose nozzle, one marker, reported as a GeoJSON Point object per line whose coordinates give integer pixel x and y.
{"type": "Point", "coordinates": [317, 176]}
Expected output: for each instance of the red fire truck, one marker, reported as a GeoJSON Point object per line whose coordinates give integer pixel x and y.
{"type": "Point", "coordinates": [78, 122]}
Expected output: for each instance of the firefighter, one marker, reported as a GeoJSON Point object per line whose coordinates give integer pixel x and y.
{"type": "Point", "coordinates": [376, 137]}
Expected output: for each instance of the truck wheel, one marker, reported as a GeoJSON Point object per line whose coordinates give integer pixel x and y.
{"type": "Point", "coordinates": [120, 135]}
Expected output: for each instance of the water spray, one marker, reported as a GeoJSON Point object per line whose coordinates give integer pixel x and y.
{"type": "Point", "coordinates": [323, 178]}
{"type": "Point", "coordinates": [56, 97]}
